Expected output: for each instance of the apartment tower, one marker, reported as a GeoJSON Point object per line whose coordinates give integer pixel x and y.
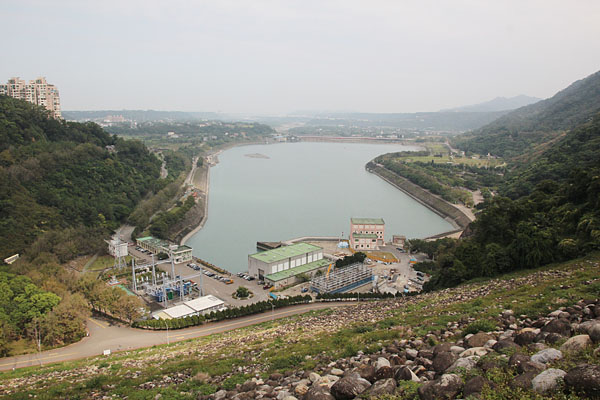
{"type": "Point", "coordinates": [37, 91]}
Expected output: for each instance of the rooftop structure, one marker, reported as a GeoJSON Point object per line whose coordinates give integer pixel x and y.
{"type": "Point", "coordinates": [282, 259]}
{"type": "Point", "coordinates": [179, 253]}
{"type": "Point", "coordinates": [201, 305]}
{"type": "Point", "coordinates": [367, 221]}
{"type": "Point", "coordinates": [309, 268]}
{"type": "Point", "coordinates": [206, 304]}
{"type": "Point", "coordinates": [285, 252]}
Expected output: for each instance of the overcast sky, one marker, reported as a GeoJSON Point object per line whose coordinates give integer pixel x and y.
{"type": "Point", "coordinates": [260, 56]}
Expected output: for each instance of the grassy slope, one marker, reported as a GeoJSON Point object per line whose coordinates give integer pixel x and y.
{"type": "Point", "coordinates": [308, 341]}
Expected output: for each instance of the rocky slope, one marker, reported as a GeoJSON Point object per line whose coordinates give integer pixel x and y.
{"type": "Point", "coordinates": [538, 339]}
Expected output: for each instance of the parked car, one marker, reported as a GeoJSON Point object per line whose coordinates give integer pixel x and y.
{"type": "Point", "coordinates": [229, 281]}
{"type": "Point", "coordinates": [304, 290]}
{"type": "Point", "coordinates": [267, 286]}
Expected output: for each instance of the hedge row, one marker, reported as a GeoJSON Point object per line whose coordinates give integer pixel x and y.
{"type": "Point", "coordinates": [229, 313]}
{"type": "Point", "coordinates": [355, 296]}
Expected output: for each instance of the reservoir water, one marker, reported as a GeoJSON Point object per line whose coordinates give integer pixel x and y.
{"type": "Point", "coordinates": [283, 191]}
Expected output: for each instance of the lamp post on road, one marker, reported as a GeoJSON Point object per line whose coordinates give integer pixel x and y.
{"type": "Point", "coordinates": [272, 311]}
{"type": "Point", "coordinates": [167, 325]}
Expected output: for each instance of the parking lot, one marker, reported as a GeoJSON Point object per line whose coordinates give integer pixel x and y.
{"type": "Point", "coordinates": [209, 280]}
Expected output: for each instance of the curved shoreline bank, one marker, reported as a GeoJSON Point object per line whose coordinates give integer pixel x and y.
{"type": "Point", "coordinates": [441, 207]}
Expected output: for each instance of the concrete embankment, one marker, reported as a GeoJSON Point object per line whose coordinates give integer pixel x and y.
{"type": "Point", "coordinates": [441, 207]}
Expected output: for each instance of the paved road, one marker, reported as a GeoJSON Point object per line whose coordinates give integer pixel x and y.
{"type": "Point", "coordinates": [115, 337]}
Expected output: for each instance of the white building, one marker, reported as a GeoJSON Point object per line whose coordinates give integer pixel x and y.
{"type": "Point", "coordinates": [199, 306]}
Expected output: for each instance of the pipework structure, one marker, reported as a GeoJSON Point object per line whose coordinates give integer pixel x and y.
{"type": "Point", "coordinates": [342, 279]}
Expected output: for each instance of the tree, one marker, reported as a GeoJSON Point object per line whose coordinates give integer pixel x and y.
{"type": "Point", "coordinates": [242, 292]}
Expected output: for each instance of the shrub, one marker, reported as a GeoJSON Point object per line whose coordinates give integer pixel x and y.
{"type": "Point", "coordinates": [482, 325]}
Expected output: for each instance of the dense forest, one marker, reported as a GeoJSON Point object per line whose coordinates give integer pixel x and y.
{"type": "Point", "coordinates": [536, 126]}
{"type": "Point", "coordinates": [552, 214]}
{"type": "Point", "coordinates": [64, 186]}
{"type": "Point", "coordinates": [57, 176]}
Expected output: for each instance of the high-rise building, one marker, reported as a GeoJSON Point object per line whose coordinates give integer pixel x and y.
{"type": "Point", "coordinates": [37, 91]}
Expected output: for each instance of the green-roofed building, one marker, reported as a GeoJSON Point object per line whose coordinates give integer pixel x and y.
{"type": "Point", "coordinates": [291, 276]}
{"type": "Point", "coordinates": [282, 259]}
{"type": "Point", "coordinates": [367, 233]}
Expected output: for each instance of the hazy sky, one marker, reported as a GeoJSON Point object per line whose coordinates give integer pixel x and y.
{"type": "Point", "coordinates": [260, 56]}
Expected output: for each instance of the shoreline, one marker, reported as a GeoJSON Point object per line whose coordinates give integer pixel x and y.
{"type": "Point", "coordinates": [441, 207]}
{"type": "Point", "coordinates": [458, 222]}
{"type": "Point", "coordinates": [212, 159]}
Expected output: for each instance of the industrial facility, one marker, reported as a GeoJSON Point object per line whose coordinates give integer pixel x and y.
{"type": "Point", "coordinates": [285, 258]}
{"type": "Point", "coordinates": [342, 279]}
{"type": "Point", "coordinates": [179, 254]}
{"type": "Point", "coordinates": [295, 275]}
{"type": "Point", "coordinates": [367, 233]}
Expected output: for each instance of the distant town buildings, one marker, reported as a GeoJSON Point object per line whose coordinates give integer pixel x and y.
{"type": "Point", "coordinates": [37, 91]}
{"type": "Point", "coordinates": [366, 233]}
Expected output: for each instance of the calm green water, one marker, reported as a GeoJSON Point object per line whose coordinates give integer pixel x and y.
{"type": "Point", "coordinates": [302, 189]}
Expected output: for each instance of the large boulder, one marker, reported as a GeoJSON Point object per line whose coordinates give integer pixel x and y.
{"type": "Point", "coordinates": [318, 393]}
{"type": "Point", "coordinates": [523, 381]}
{"type": "Point", "coordinates": [576, 344]}
{"type": "Point", "coordinates": [584, 379]}
{"type": "Point", "coordinates": [446, 387]}
{"type": "Point", "coordinates": [406, 374]}
{"type": "Point", "coordinates": [466, 364]}
{"type": "Point", "coordinates": [548, 380]}
{"type": "Point", "coordinates": [525, 338]}
{"type": "Point", "coordinates": [411, 354]}
{"type": "Point", "coordinates": [442, 361]}
{"type": "Point", "coordinates": [349, 387]}
{"type": "Point", "coordinates": [585, 326]}
{"type": "Point", "coordinates": [504, 344]}
{"type": "Point", "coordinates": [384, 386]}
{"type": "Point", "coordinates": [594, 332]}
{"type": "Point", "coordinates": [523, 363]}
{"type": "Point", "coordinates": [560, 326]}
{"type": "Point", "coordinates": [547, 355]}
{"type": "Point", "coordinates": [475, 385]}
{"type": "Point", "coordinates": [475, 351]}
{"type": "Point", "coordinates": [479, 339]}
{"type": "Point", "coordinates": [367, 372]}
{"type": "Point", "coordinates": [382, 362]}
{"type": "Point", "coordinates": [384, 373]}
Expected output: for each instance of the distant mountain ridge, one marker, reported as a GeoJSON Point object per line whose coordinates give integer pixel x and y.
{"type": "Point", "coordinates": [140, 115]}
{"type": "Point", "coordinates": [532, 127]}
{"type": "Point", "coordinates": [497, 104]}
{"type": "Point", "coordinates": [440, 121]}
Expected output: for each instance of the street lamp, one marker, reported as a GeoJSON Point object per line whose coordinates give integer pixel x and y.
{"type": "Point", "coordinates": [272, 311]}
{"type": "Point", "coordinates": [167, 325]}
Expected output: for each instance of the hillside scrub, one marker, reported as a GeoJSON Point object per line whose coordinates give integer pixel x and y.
{"type": "Point", "coordinates": [556, 220]}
